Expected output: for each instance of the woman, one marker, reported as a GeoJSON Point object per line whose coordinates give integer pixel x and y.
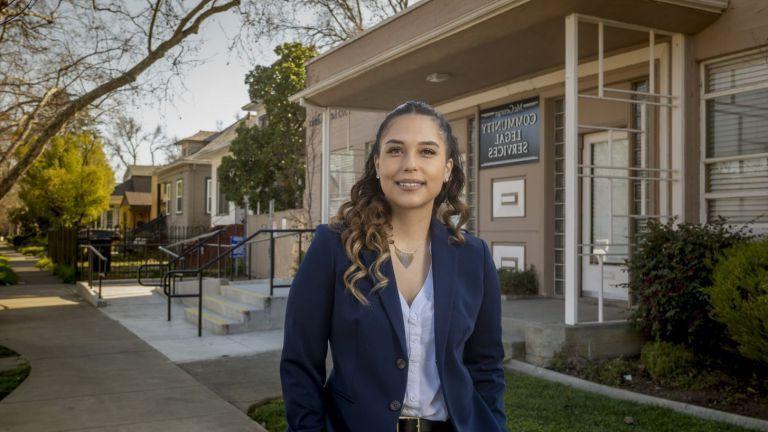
{"type": "Point", "coordinates": [409, 303]}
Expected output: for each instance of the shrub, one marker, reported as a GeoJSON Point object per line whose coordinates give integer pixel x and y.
{"type": "Point", "coordinates": [65, 273]}
{"type": "Point", "coordinates": [739, 297]}
{"type": "Point", "coordinates": [667, 363]}
{"type": "Point", "coordinates": [44, 263]}
{"type": "Point", "coordinates": [668, 274]}
{"type": "Point", "coordinates": [609, 372]}
{"type": "Point", "coordinates": [32, 250]}
{"type": "Point", "coordinates": [7, 275]}
{"type": "Point", "coordinates": [518, 282]}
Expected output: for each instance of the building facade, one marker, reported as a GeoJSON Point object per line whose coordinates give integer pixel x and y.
{"type": "Point", "coordinates": [222, 211]}
{"type": "Point", "coordinates": [184, 186]}
{"type": "Point", "coordinates": [578, 122]}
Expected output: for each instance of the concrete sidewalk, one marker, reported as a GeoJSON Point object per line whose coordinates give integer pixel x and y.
{"type": "Point", "coordinates": [91, 373]}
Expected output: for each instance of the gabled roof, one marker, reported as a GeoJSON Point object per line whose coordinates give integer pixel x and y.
{"type": "Point", "coordinates": [138, 198]}
{"type": "Point", "coordinates": [223, 139]}
{"type": "Point", "coordinates": [163, 170]}
{"type": "Point", "coordinates": [139, 170]}
{"type": "Point", "coordinates": [200, 136]}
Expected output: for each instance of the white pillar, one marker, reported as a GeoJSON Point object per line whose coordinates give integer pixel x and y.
{"type": "Point", "coordinates": [678, 139]}
{"type": "Point", "coordinates": [325, 154]}
{"type": "Point", "coordinates": [665, 153]}
{"type": "Point", "coordinates": [571, 157]}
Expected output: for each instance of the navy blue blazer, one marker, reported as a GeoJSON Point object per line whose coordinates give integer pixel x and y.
{"type": "Point", "coordinates": [365, 390]}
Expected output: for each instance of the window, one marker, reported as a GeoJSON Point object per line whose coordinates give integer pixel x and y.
{"type": "Point", "coordinates": [208, 195]}
{"type": "Point", "coordinates": [179, 194]}
{"type": "Point", "coordinates": [610, 198]}
{"type": "Point", "coordinates": [222, 205]}
{"type": "Point", "coordinates": [559, 186]}
{"type": "Point", "coordinates": [735, 143]}
{"type": "Point", "coordinates": [167, 198]}
{"type": "Point", "coordinates": [342, 177]}
{"type": "Point", "coordinates": [109, 218]}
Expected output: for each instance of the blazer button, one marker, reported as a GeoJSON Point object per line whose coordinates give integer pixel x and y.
{"type": "Point", "coordinates": [394, 405]}
{"type": "Point", "coordinates": [401, 364]}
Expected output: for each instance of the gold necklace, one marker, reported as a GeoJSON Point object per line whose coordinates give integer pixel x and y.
{"type": "Point", "coordinates": [405, 258]}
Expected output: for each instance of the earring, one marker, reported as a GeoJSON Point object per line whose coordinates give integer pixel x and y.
{"type": "Point", "coordinates": [377, 175]}
{"type": "Point", "coordinates": [446, 180]}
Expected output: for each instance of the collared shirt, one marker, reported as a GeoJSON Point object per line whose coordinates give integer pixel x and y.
{"type": "Point", "coordinates": [423, 391]}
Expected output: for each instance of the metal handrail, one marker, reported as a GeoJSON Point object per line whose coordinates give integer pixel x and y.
{"type": "Point", "coordinates": [102, 261]}
{"type": "Point", "coordinates": [168, 281]}
{"type": "Point", "coordinates": [169, 252]}
{"type": "Point", "coordinates": [196, 247]}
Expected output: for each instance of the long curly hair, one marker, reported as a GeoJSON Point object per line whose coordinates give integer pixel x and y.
{"type": "Point", "coordinates": [364, 220]}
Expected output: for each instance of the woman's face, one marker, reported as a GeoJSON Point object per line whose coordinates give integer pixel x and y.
{"type": "Point", "coordinates": [412, 162]}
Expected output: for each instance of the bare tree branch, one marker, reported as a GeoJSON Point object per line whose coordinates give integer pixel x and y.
{"type": "Point", "coordinates": [91, 52]}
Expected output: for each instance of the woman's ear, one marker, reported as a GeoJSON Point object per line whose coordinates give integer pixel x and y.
{"type": "Point", "coordinates": [376, 164]}
{"type": "Point", "coordinates": [448, 168]}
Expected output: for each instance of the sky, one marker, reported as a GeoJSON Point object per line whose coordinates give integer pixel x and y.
{"type": "Point", "coordinates": [215, 91]}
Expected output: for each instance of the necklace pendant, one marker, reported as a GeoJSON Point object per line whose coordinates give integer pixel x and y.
{"type": "Point", "coordinates": [405, 258]}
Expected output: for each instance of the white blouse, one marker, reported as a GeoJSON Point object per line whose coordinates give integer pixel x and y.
{"type": "Point", "coordinates": [423, 391]}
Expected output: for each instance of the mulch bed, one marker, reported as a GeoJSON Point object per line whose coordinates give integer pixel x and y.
{"type": "Point", "coordinates": [730, 394]}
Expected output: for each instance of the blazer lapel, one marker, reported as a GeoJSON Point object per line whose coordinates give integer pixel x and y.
{"type": "Point", "coordinates": [444, 262]}
{"type": "Point", "coordinates": [390, 300]}
{"type": "Point", "coordinates": [444, 265]}
{"type": "Point", "coordinates": [388, 296]}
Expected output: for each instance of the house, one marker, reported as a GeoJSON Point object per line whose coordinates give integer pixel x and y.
{"type": "Point", "coordinates": [225, 212]}
{"type": "Point", "coordinates": [131, 204]}
{"type": "Point", "coordinates": [184, 186]}
{"type": "Point", "coordinates": [578, 121]}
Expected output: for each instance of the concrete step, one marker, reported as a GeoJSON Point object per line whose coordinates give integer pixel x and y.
{"type": "Point", "coordinates": [234, 307]}
{"type": "Point", "coordinates": [262, 286]}
{"type": "Point", "coordinates": [213, 322]}
{"type": "Point", "coordinates": [223, 306]}
{"type": "Point", "coordinates": [223, 325]}
{"type": "Point", "coordinates": [191, 286]}
{"type": "Point", "coordinates": [245, 294]}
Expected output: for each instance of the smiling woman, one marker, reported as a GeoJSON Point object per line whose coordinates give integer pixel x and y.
{"type": "Point", "coordinates": [416, 341]}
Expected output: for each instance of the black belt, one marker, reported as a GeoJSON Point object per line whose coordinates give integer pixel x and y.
{"type": "Point", "coordinates": [417, 424]}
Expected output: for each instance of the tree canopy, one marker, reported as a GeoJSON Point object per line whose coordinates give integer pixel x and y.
{"type": "Point", "coordinates": [268, 161]}
{"type": "Point", "coordinates": [62, 58]}
{"type": "Point", "coordinates": [69, 184]}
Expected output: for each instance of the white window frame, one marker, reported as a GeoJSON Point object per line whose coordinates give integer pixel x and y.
{"type": "Point", "coordinates": [705, 96]}
{"type": "Point", "coordinates": [208, 195]}
{"type": "Point", "coordinates": [179, 196]}
{"type": "Point", "coordinates": [167, 197]}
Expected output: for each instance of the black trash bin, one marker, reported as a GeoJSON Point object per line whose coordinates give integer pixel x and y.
{"type": "Point", "coordinates": [101, 240]}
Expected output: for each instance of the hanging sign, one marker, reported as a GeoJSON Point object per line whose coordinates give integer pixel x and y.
{"type": "Point", "coordinates": [510, 133]}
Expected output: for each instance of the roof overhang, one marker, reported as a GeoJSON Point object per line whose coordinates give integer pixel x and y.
{"type": "Point", "coordinates": [480, 44]}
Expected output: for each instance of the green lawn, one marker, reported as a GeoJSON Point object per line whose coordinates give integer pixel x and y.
{"type": "Point", "coordinates": [10, 379]}
{"type": "Point", "coordinates": [534, 404]}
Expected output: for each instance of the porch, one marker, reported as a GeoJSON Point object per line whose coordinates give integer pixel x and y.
{"type": "Point", "coordinates": [534, 330]}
